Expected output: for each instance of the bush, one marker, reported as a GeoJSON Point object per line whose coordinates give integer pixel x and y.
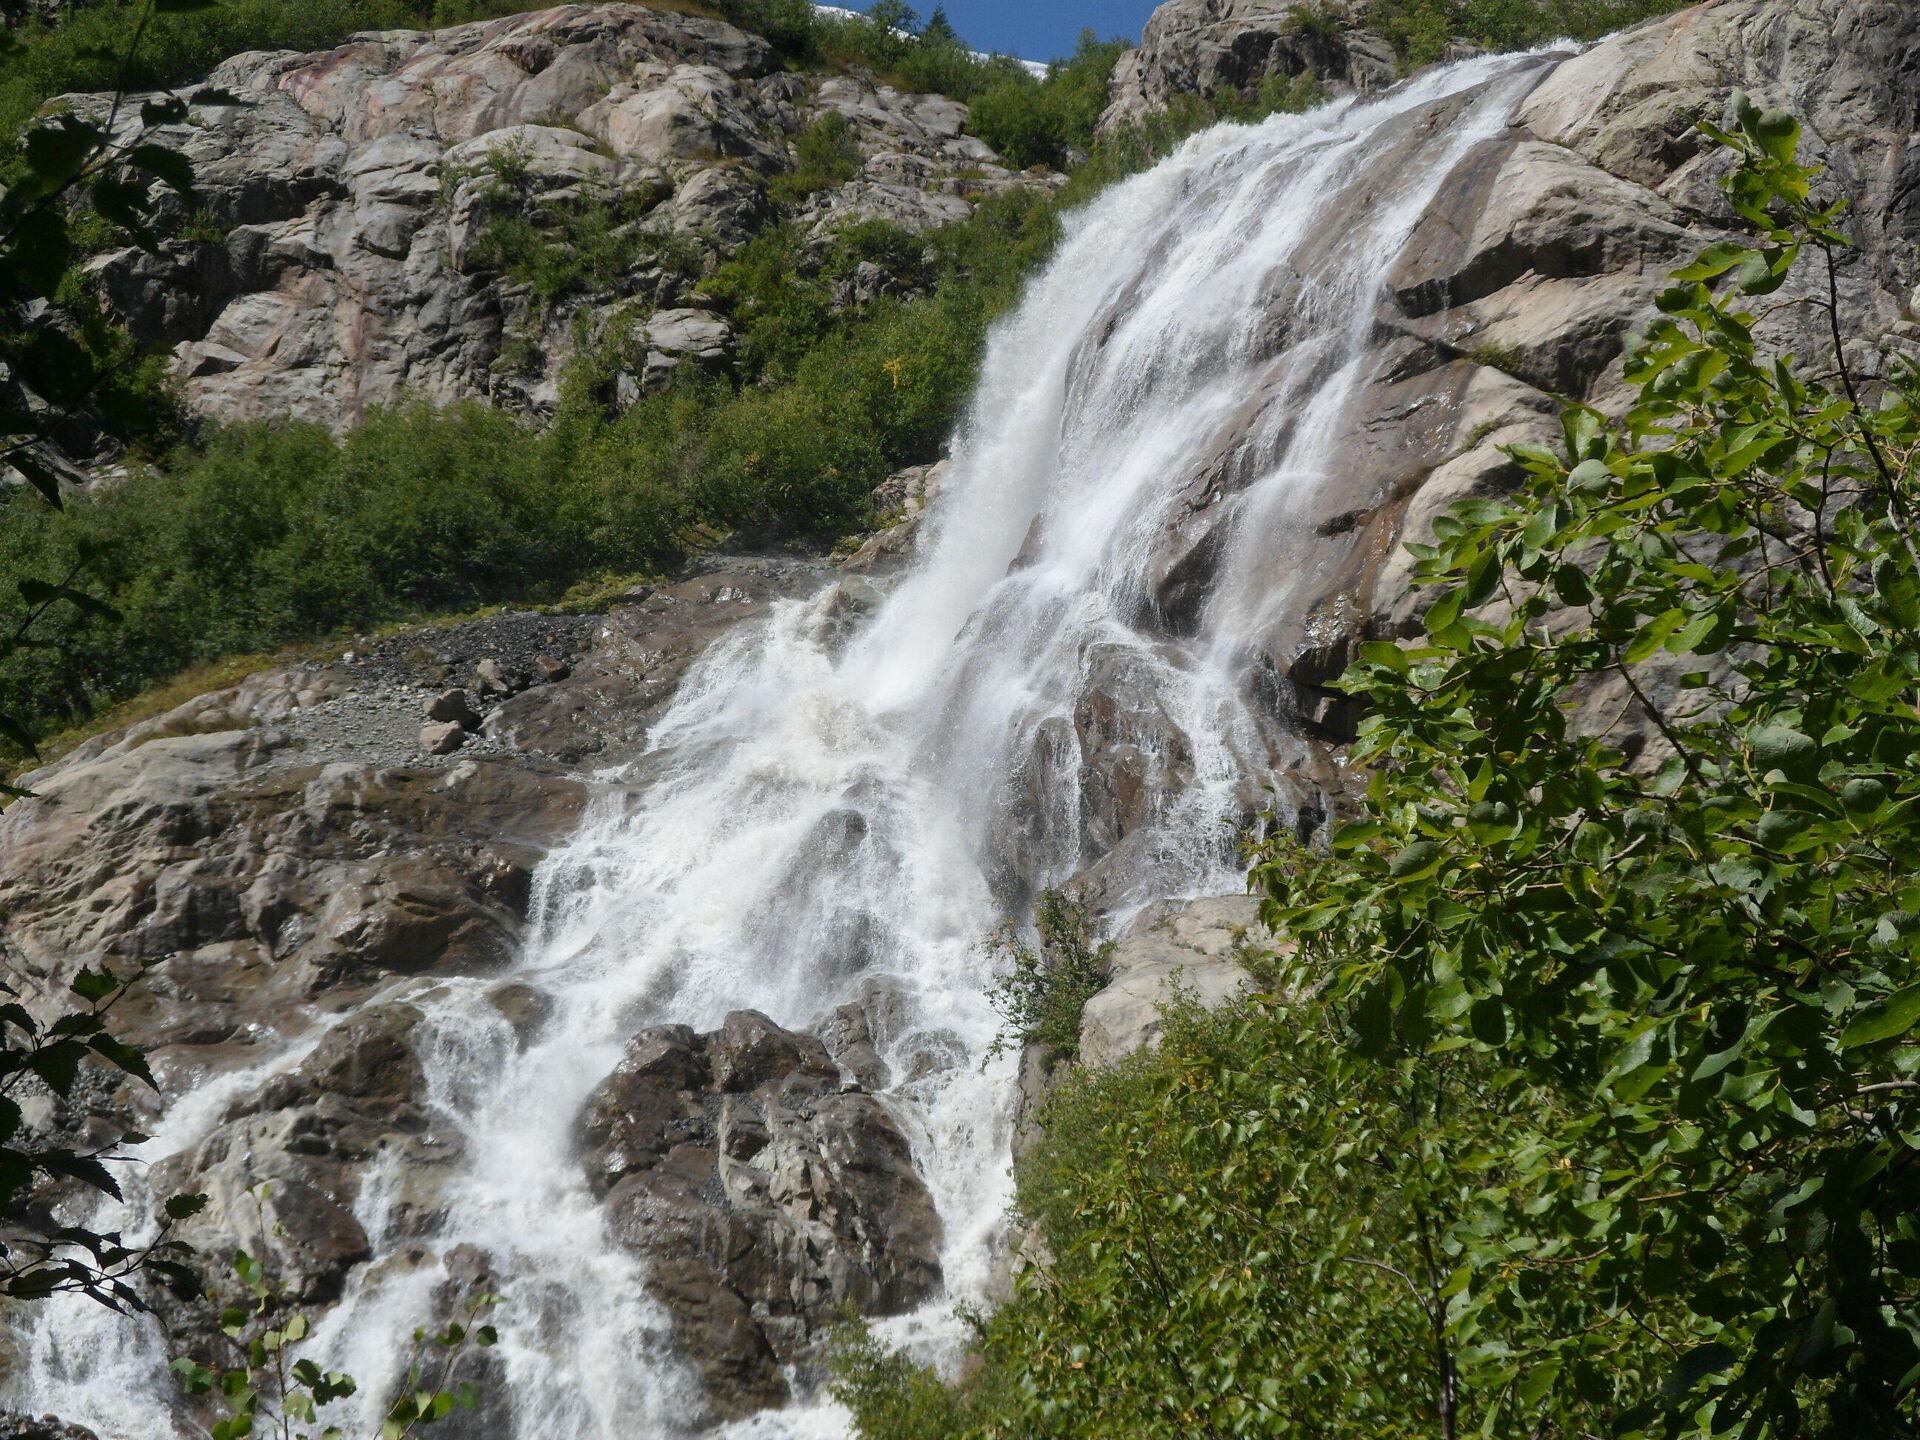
{"type": "Point", "coordinates": [1034, 123]}
{"type": "Point", "coordinates": [1041, 992]}
{"type": "Point", "coordinates": [590, 243]}
{"type": "Point", "coordinates": [1420, 29]}
{"type": "Point", "coordinates": [1240, 1239]}
{"type": "Point", "coordinates": [281, 533]}
{"type": "Point", "coordinates": [826, 154]}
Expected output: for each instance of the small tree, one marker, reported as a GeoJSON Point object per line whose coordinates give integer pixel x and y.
{"type": "Point", "coordinates": [1042, 990]}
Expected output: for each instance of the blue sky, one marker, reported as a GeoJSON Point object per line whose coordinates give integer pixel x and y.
{"type": "Point", "coordinates": [1036, 29]}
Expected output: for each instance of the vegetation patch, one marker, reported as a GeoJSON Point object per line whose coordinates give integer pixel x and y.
{"type": "Point", "coordinates": [1043, 988]}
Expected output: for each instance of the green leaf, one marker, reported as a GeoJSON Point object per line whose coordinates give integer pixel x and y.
{"type": "Point", "coordinates": [1696, 1365]}
{"type": "Point", "coordinates": [1716, 259]}
{"type": "Point", "coordinates": [1778, 134]}
{"type": "Point", "coordinates": [56, 150]}
{"type": "Point", "coordinates": [1415, 861]}
{"type": "Point", "coordinates": [94, 985]}
{"type": "Point", "coordinates": [184, 1207]}
{"type": "Point", "coordinates": [1890, 1019]}
{"type": "Point", "coordinates": [167, 165]}
{"type": "Point", "coordinates": [37, 475]}
{"type": "Point", "coordinates": [1783, 748]}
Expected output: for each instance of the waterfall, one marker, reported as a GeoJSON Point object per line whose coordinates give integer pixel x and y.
{"type": "Point", "coordinates": [830, 810]}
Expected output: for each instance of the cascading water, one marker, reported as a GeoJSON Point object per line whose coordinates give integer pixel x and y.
{"type": "Point", "coordinates": [827, 810]}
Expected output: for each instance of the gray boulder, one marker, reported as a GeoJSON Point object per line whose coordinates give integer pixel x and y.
{"type": "Point", "coordinates": [670, 339]}
{"type": "Point", "coordinates": [16, 1426]}
{"type": "Point", "coordinates": [768, 1197]}
{"type": "Point", "coordinates": [1210, 47]}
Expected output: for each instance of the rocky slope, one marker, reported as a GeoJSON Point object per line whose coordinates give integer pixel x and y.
{"type": "Point", "coordinates": [1526, 277]}
{"type": "Point", "coordinates": [335, 262]}
{"type": "Point", "coordinates": [1207, 48]}
{"type": "Point", "coordinates": [307, 865]}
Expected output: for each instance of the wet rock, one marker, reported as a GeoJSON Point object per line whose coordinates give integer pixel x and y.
{"type": "Point", "coordinates": [848, 1036]}
{"type": "Point", "coordinates": [900, 502]}
{"type": "Point", "coordinates": [521, 1006]}
{"type": "Point", "coordinates": [16, 1426]}
{"type": "Point", "coordinates": [767, 1197]}
{"type": "Point", "coordinates": [285, 1163]}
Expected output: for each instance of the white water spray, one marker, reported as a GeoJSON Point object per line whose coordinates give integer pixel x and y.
{"type": "Point", "coordinates": [824, 813]}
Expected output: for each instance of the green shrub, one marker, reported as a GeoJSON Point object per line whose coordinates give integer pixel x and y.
{"type": "Point", "coordinates": [1420, 29]}
{"type": "Point", "coordinates": [589, 243]}
{"type": "Point", "coordinates": [1043, 989]}
{"type": "Point", "coordinates": [1031, 122]}
{"type": "Point", "coordinates": [281, 533]}
{"type": "Point", "coordinates": [791, 25]}
{"type": "Point", "coordinates": [826, 154]}
{"type": "Point", "coordinates": [1233, 1240]}
{"type": "Point", "coordinates": [891, 1397]}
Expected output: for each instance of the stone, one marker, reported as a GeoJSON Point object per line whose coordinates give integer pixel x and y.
{"type": "Point", "coordinates": [551, 671]}
{"type": "Point", "coordinates": [494, 680]}
{"type": "Point", "coordinates": [749, 1050]}
{"type": "Point", "coordinates": [723, 208]}
{"type": "Point", "coordinates": [1206, 47]}
{"type": "Point", "coordinates": [669, 340]}
{"type": "Point", "coordinates": [1193, 947]}
{"type": "Point", "coordinates": [901, 499]}
{"type": "Point", "coordinates": [768, 1198]}
{"type": "Point", "coordinates": [451, 707]}
{"type": "Point", "coordinates": [443, 738]}
{"type": "Point", "coordinates": [17, 1426]}
{"type": "Point", "coordinates": [848, 1036]}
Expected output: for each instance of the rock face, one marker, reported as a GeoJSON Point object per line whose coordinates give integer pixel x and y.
{"type": "Point", "coordinates": [766, 1188]}
{"type": "Point", "coordinates": [298, 868]}
{"type": "Point", "coordinates": [1520, 287]}
{"type": "Point", "coordinates": [343, 203]}
{"type": "Point", "coordinates": [1193, 948]}
{"type": "Point", "coordinates": [1214, 47]}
